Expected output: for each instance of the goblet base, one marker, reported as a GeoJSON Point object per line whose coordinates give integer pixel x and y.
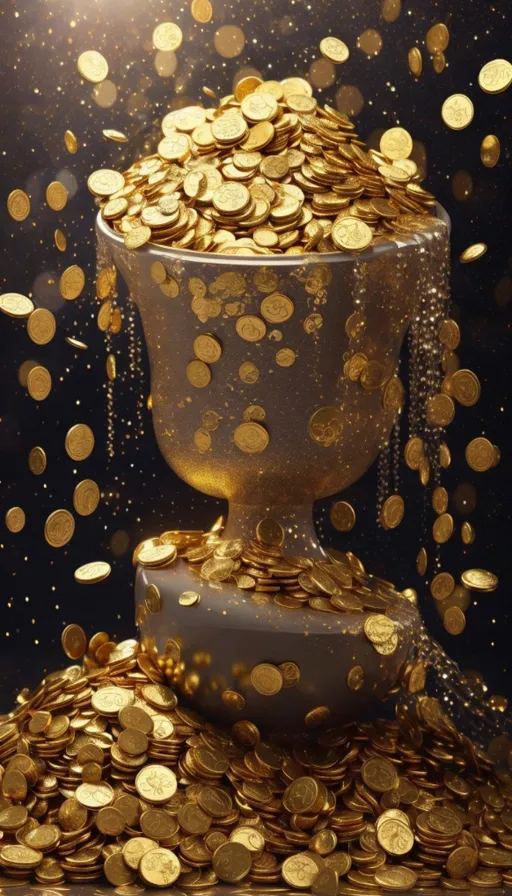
{"type": "Point", "coordinates": [209, 650]}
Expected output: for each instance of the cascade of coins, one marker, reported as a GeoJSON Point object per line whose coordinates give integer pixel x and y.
{"type": "Point", "coordinates": [105, 775]}
{"type": "Point", "coordinates": [109, 320]}
{"type": "Point", "coordinates": [339, 584]}
{"type": "Point", "coordinates": [268, 171]}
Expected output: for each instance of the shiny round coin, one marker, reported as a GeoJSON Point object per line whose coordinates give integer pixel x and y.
{"type": "Point", "coordinates": [74, 641]}
{"type": "Point", "coordinates": [267, 679]}
{"type": "Point", "coordinates": [59, 528]}
{"type": "Point", "coordinates": [96, 571]}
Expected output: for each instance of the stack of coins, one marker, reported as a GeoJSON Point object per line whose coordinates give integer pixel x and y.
{"type": "Point", "coordinates": [337, 585]}
{"type": "Point", "coordinates": [103, 772]}
{"type": "Point", "coordinates": [267, 171]}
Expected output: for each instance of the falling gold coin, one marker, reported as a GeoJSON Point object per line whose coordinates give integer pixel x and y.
{"type": "Point", "coordinates": [201, 10]}
{"type": "Point", "coordinates": [79, 441]}
{"type": "Point", "coordinates": [93, 572]}
{"type": "Point", "coordinates": [198, 374]}
{"type": "Point", "coordinates": [479, 580]}
{"type": "Point", "coordinates": [251, 438]}
{"type": "Point", "coordinates": [392, 512]}
{"type": "Point", "coordinates": [342, 516]}
{"type": "Point", "coordinates": [86, 497]}
{"type": "Point", "coordinates": [18, 205]}
{"type": "Point", "coordinates": [105, 181]}
{"type": "Point", "coordinates": [490, 151]}
{"type": "Point", "coordinates": [76, 343]}
{"type": "Point", "coordinates": [495, 76]}
{"type": "Point", "coordinates": [396, 144]}
{"type": "Point", "coordinates": [442, 530]}
{"type": "Point", "coordinates": [355, 678]}
{"type": "Point", "coordinates": [438, 38]}
{"type": "Point", "coordinates": [60, 240]}
{"type": "Point", "coordinates": [59, 528]}
{"type": "Point", "coordinates": [467, 533]}
{"type": "Point", "coordinates": [115, 136]}
{"type": "Point", "coordinates": [74, 641]}
{"type": "Point", "coordinates": [37, 460]}
{"type": "Point", "coordinates": [92, 66]}
{"type": "Point", "coordinates": [473, 253]}
{"type": "Point", "coordinates": [442, 586]}
{"type": "Point", "coordinates": [440, 410]}
{"type": "Point", "coordinates": [41, 326]}
{"type": "Point", "coordinates": [415, 60]}
{"type": "Point", "coordinates": [285, 357]}
{"type": "Point", "coordinates": [480, 454]}
{"type": "Point", "coordinates": [13, 304]}
{"type": "Point", "coordinates": [39, 383]}
{"type": "Point", "coordinates": [72, 282]}
{"type": "Point", "coordinates": [189, 599]}
{"type": "Point", "coordinates": [267, 679]}
{"type": "Point", "coordinates": [334, 49]}
{"type": "Point", "coordinates": [454, 621]}
{"type": "Point", "coordinates": [70, 142]}
{"type": "Point", "coordinates": [250, 328]}
{"type": "Point", "coordinates": [56, 196]}
{"type": "Point", "coordinates": [457, 111]}
{"type": "Point", "coordinates": [325, 426]}
{"type": "Point", "coordinates": [167, 37]}
{"type": "Point", "coordinates": [207, 348]}
{"type": "Point", "coordinates": [15, 519]}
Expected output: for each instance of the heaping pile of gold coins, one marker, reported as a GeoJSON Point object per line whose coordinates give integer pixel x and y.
{"type": "Point", "coordinates": [103, 772]}
{"type": "Point", "coordinates": [267, 171]}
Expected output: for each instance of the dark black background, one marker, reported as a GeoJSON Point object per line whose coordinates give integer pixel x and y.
{"type": "Point", "coordinates": [42, 95]}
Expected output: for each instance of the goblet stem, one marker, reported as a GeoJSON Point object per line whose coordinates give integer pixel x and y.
{"type": "Point", "coordinates": [296, 520]}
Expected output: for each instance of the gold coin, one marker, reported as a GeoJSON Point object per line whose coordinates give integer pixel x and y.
{"type": "Point", "coordinates": [201, 11]}
{"type": "Point", "coordinates": [76, 343]}
{"type": "Point", "coordinates": [56, 196]}
{"type": "Point", "coordinates": [70, 142]}
{"type": "Point", "coordinates": [233, 699]}
{"type": "Point", "coordinates": [480, 455]}
{"type": "Point", "coordinates": [325, 426]}
{"type": "Point", "coordinates": [37, 460]}
{"type": "Point", "coordinates": [438, 38]}
{"type": "Point", "coordinates": [79, 441]}
{"type": "Point", "coordinates": [92, 66]}
{"type": "Point", "coordinates": [39, 383]}
{"type": "Point", "coordinates": [189, 599]}
{"type": "Point", "coordinates": [89, 573]}
{"type": "Point", "coordinates": [342, 516]}
{"type": "Point", "coordinates": [157, 555]}
{"type": "Point", "coordinates": [95, 795]}
{"type": "Point", "coordinates": [135, 848]}
{"type": "Point", "coordinates": [115, 136]}
{"type": "Point", "coordinates": [277, 308]}
{"type": "Point", "coordinates": [442, 530]}
{"type": "Point", "coordinates": [473, 253]}
{"type": "Point", "coordinates": [415, 60]}
{"type": "Point", "coordinates": [440, 410]}
{"type": "Point", "coordinates": [387, 648]}
{"type": "Point", "coordinates": [267, 679]}
{"type": "Point", "coordinates": [159, 867]}
{"type": "Point", "coordinates": [445, 457]}
{"type": "Point", "coordinates": [153, 599]}
{"type": "Point", "coordinates": [232, 862]}
{"type": "Point", "coordinates": [198, 374]}
{"type": "Point", "coordinates": [395, 837]}
{"type": "Point", "coordinates": [71, 283]}
{"type": "Point", "coordinates": [167, 37]}
{"type": "Point", "coordinates": [396, 144]}
{"type": "Point", "coordinates": [156, 784]}
{"type": "Point", "coordinates": [270, 532]}
{"type": "Point", "coordinates": [449, 334]}
{"type": "Point", "coordinates": [110, 700]}
{"type": "Point", "coordinates": [110, 821]}
{"type": "Point", "coordinates": [105, 182]}
{"type": "Point", "coordinates": [291, 674]}
{"type": "Point", "coordinates": [41, 326]}
{"type": "Point", "coordinates": [300, 870]}
{"type": "Point", "coordinates": [231, 198]}
{"type": "Point", "coordinates": [421, 561]}
{"type": "Point", "coordinates": [442, 585]}
{"type": "Point", "coordinates": [479, 580]}
{"type": "Point", "coordinates": [251, 438]}
{"type": "Point", "coordinates": [334, 49]}
{"type": "Point", "coordinates": [15, 519]}
{"type": "Point", "coordinates": [495, 76]}
{"type": "Point", "coordinates": [490, 151]}
{"type": "Point", "coordinates": [74, 641]}
{"type": "Point", "coordinates": [396, 877]}
{"type": "Point", "coordinates": [18, 205]}
{"type": "Point", "coordinates": [285, 357]}
{"type": "Point", "coordinates": [19, 856]}
{"type": "Point", "coordinates": [16, 305]}
{"type": "Point", "coordinates": [250, 328]}
{"type": "Point", "coordinates": [137, 237]}
{"type": "Point", "coordinates": [465, 387]}
{"type": "Point", "coordinates": [59, 528]}
{"type": "Point", "coordinates": [378, 628]}
{"type": "Point", "coordinates": [440, 499]}
{"type": "Point", "coordinates": [111, 367]}
{"type": "Point", "coordinates": [207, 348]}
{"type": "Point", "coordinates": [392, 512]}
{"type": "Point", "coordinates": [379, 775]}
{"type": "Point", "coordinates": [414, 453]}
{"type": "Point", "coordinates": [249, 373]}
{"type": "Point", "coordinates": [355, 678]}
{"type": "Point", "coordinates": [467, 533]}
{"type": "Point", "coordinates": [351, 234]}
{"type": "Point", "coordinates": [454, 621]}
{"type": "Point", "coordinates": [60, 240]}
{"type": "Point", "coordinates": [457, 111]}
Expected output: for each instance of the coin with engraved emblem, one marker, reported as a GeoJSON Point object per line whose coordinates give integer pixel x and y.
{"type": "Point", "coordinates": [334, 49]}
{"type": "Point", "coordinates": [457, 111]}
{"type": "Point", "coordinates": [251, 438]}
{"type": "Point", "coordinates": [59, 528]}
{"type": "Point", "coordinates": [86, 497]}
{"type": "Point", "coordinates": [18, 205]}
{"type": "Point", "coordinates": [79, 441]}
{"type": "Point", "coordinates": [156, 784]}
{"type": "Point", "coordinates": [16, 305]}
{"type": "Point", "coordinates": [343, 516]}
{"type": "Point", "coordinates": [15, 519]}
{"type": "Point", "coordinates": [267, 679]}
{"type": "Point", "coordinates": [207, 348]}
{"type": "Point", "coordinates": [96, 571]}
{"type": "Point", "coordinates": [198, 374]}
{"type": "Point", "coordinates": [479, 580]}
{"type": "Point", "coordinates": [41, 326]}
{"type": "Point", "coordinates": [92, 66]}
{"type": "Point", "coordinates": [72, 282]}
{"type": "Point", "coordinates": [56, 196]}
{"type": "Point", "coordinates": [495, 76]}
{"type": "Point", "coordinates": [276, 308]}
{"type": "Point", "coordinates": [480, 454]}
{"type": "Point", "coordinates": [37, 460]}
{"type": "Point", "coordinates": [250, 328]}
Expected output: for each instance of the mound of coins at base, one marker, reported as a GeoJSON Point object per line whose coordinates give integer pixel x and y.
{"type": "Point", "coordinates": [267, 171]}
{"type": "Point", "coordinates": [104, 773]}
{"type": "Point", "coordinates": [337, 585]}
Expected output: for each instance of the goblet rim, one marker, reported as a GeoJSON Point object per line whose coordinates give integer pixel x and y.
{"type": "Point", "coordinates": [280, 261]}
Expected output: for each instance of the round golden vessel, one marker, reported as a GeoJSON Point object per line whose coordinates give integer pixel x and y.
{"type": "Point", "coordinates": [267, 412]}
